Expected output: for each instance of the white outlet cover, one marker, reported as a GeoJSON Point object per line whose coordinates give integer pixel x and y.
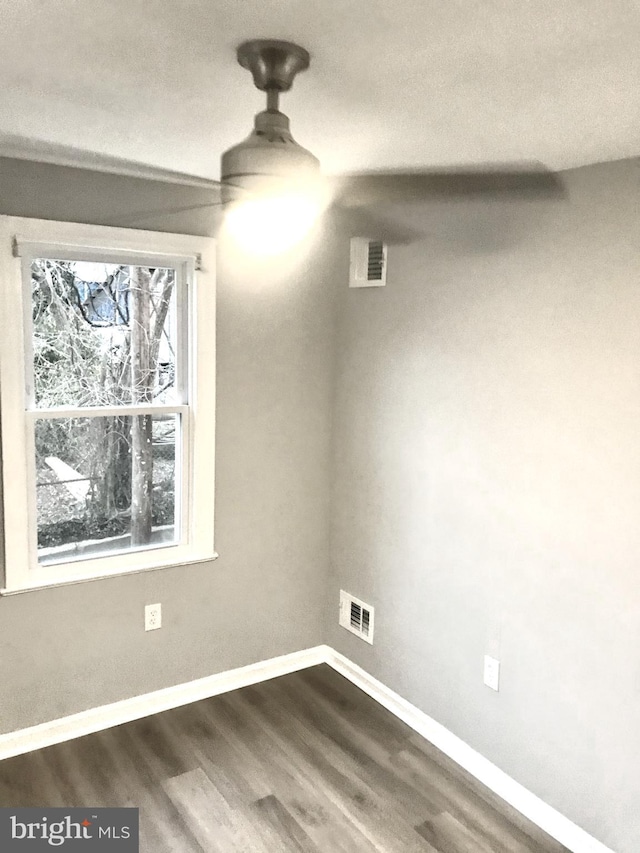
{"type": "Point", "coordinates": [492, 672]}
{"type": "Point", "coordinates": [152, 617]}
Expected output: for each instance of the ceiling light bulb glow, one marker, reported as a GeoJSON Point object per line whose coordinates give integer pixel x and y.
{"type": "Point", "coordinates": [272, 224]}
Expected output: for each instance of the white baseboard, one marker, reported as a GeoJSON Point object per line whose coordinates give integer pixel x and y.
{"type": "Point", "coordinates": [97, 719]}
{"type": "Point", "coordinates": [536, 810]}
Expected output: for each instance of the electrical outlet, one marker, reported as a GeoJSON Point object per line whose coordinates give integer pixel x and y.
{"type": "Point", "coordinates": [492, 672]}
{"type": "Point", "coordinates": [152, 617]}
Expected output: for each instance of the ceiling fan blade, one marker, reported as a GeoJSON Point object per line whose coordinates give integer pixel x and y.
{"type": "Point", "coordinates": [164, 202]}
{"type": "Point", "coordinates": [522, 182]}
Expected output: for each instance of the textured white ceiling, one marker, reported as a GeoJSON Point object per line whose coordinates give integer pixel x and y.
{"type": "Point", "coordinates": [392, 84]}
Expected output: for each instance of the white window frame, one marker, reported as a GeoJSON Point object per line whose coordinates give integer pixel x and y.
{"type": "Point", "coordinates": [194, 260]}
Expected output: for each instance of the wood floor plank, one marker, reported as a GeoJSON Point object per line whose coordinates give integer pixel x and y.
{"type": "Point", "coordinates": [196, 739]}
{"type": "Point", "coordinates": [305, 763]}
{"type": "Point", "coordinates": [216, 827]}
{"type": "Point", "coordinates": [498, 823]}
{"type": "Point", "coordinates": [450, 795]}
{"type": "Point", "coordinates": [240, 748]}
{"type": "Point", "coordinates": [358, 752]}
{"type": "Point", "coordinates": [19, 782]}
{"type": "Point", "coordinates": [82, 772]}
{"type": "Point", "coordinates": [528, 832]}
{"type": "Point", "coordinates": [47, 784]}
{"type": "Point", "coordinates": [357, 706]}
{"type": "Point", "coordinates": [424, 797]}
{"type": "Point", "coordinates": [299, 791]}
{"type": "Point", "coordinates": [364, 807]}
{"type": "Point", "coordinates": [283, 830]}
{"type": "Point", "coordinates": [135, 771]}
{"type": "Point", "coordinates": [447, 835]}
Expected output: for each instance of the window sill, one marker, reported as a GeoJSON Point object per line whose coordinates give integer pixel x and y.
{"type": "Point", "coordinates": [116, 573]}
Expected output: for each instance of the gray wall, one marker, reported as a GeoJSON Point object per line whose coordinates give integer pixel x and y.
{"type": "Point", "coordinates": [487, 486]}
{"type": "Point", "coordinates": [66, 649]}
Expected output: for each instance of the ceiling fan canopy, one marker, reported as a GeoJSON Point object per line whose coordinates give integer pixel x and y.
{"type": "Point", "coordinates": [273, 63]}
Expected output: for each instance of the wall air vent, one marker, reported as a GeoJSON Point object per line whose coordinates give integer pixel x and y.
{"type": "Point", "coordinates": [356, 616]}
{"type": "Point", "coordinates": [368, 263]}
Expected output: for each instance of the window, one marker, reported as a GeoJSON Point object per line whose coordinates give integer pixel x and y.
{"type": "Point", "coordinates": [107, 361]}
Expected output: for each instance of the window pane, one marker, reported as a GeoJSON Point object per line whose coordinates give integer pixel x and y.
{"type": "Point", "coordinates": [102, 334]}
{"type": "Point", "coordinates": [105, 484]}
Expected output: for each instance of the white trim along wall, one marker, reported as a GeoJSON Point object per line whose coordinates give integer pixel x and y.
{"type": "Point", "coordinates": [96, 719]}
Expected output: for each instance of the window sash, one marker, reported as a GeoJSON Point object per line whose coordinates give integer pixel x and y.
{"type": "Point", "coordinates": [183, 486]}
{"type": "Point", "coordinates": [185, 276]}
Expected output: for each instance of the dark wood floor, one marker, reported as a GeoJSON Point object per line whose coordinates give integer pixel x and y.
{"type": "Point", "coordinates": [306, 763]}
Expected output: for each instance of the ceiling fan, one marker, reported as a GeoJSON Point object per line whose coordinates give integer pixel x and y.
{"type": "Point", "coordinates": [270, 157]}
{"type": "Point", "coordinates": [270, 150]}
{"type": "Point", "coordinates": [269, 162]}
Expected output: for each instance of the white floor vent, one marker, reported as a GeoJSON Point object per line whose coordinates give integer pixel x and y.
{"type": "Point", "coordinates": [356, 616]}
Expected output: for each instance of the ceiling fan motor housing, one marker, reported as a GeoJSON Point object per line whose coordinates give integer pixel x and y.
{"type": "Point", "coordinates": [269, 155]}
